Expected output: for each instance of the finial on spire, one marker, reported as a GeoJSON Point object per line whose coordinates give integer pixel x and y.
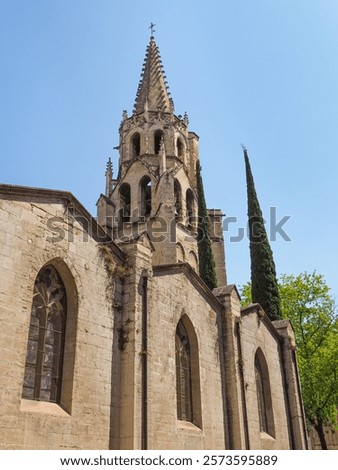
{"type": "Point", "coordinates": [152, 30]}
{"type": "Point", "coordinates": [109, 166]}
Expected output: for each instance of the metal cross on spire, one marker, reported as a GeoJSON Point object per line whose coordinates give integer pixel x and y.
{"type": "Point", "coordinates": [151, 27]}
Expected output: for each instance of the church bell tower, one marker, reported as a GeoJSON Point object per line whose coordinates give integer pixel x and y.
{"type": "Point", "coordinates": [155, 189]}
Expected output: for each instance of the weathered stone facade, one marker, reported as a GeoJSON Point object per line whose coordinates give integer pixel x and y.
{"type": "Point", "coordinates": [126, 373]}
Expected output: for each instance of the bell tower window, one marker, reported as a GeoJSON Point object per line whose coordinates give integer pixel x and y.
{"type": "Point", "coordinates": [158, 136]}
{"type": "Point", "coordinates": [125, 201]}
{"type": "Point", "coordinates": [190, 208]}
{"type": "Point", "coordinates": [178, 199]}
{"type": "Point", "coordinates": [179, 148]}
{"type": "Point", "coordinates": [145, 196]}
{"type": "Point", "coordinates": [136, 145]}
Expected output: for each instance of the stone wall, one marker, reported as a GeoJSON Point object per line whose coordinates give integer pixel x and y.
{"type": "Point", "coordinates": [30, 227]}
{"type": "Point", "coordinates": [172, 296]}
{"type": "Point", "coordinates": [117, 300]}
{"type": "Point", "coordinates": [331, 437]}
{"type": "Point", "coordinates": [255, 334]}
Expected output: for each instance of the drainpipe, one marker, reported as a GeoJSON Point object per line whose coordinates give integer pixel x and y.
{"type": "Point", "coordinates": [241, 376]}
{"type": "Point", "coordinates": [144, 366]}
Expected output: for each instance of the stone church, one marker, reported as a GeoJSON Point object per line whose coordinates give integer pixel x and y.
{"type": "Point", "coordinates": [109, 337]}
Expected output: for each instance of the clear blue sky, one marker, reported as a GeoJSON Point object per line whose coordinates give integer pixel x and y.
{"type": "Point", "coordinates": [259, 72]}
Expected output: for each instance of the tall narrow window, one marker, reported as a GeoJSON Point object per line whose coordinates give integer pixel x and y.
{"type": "Point", "coordinates": [136, 145]}
{"type": "Point", "coordinates": [44, 358]}
{"type": "Point", "coordinates": [261, 398]}
{"type": "Point", "coordinates": [125, 201]}
{"type": "Point", "coordinates": [158, 136]}
{"type": "Point", "coordinates": [179, 148]}
{"type": "Point", "coordinates": [190, 208]}
{"type": "Point", "coordinates": [188, 389]}
{"type": "Point", "coordinates": [178, 199]}
{"type": "Point", "coordinates": [183, 374]}
{"type": "Point", "coordinates": [145, 196]}
{"type": "Point", "coordinates": [264, 402]}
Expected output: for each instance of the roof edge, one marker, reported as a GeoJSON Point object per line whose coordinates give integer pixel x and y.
{"type": "Point", "coordinates": [31, 192]}
{"type": "Point", "coordinates": [193, 277]}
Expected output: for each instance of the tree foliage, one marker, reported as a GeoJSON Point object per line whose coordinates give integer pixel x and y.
{"type": "Point", "coordinates": [206, 258]}
{"type": "Point", "coordinates": [306, 301]}
{"type": "Point", "coordinates": [263, 272]}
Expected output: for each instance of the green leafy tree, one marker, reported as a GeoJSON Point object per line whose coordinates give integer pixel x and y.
{"type": "Point", "coordinates": [205, 255]}
{"type": "Point", "coordinates": [263, 272]}
{"type": "Point", "coordinates": [306, 301]}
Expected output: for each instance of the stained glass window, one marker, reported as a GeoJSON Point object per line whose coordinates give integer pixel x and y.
{"type": "Point", "coordinates": [44, 358]}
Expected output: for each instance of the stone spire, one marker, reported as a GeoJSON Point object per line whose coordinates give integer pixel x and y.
{"type": "Point", "coordinates": [109, 177]}
{"type": "Point", "coordinates": [153, 92]}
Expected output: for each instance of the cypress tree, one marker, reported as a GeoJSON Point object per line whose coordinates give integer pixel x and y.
{"type": "Point", "coordinates": [206, 258]}
{"type": "Point", "coordinates": [264, 287]}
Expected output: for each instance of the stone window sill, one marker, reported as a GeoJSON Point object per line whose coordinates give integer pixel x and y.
{"type": "Point", "coordinates": [33, 406]}
{"type": "Point", "coordinates": [188, 425]}
{"type": "Point", "coordinates": [267, 437]}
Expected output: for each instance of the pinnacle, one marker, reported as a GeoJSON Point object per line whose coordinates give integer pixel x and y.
{"type": "Point", "coordinates": [109, 167]}
{"type": "Point", "coordinates": [153, 91]}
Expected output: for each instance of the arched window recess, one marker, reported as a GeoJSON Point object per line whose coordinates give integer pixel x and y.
{"type": "Point", "coordinates": [264, 400]}
{"type": "Point", "coordinates": [190, 209]}
{"type": "Point", "coordinates": [146, 196]}
{"type": "Point", "coordinates": [188, 392]}
{"type": "Point", "coordinates": [45, 348]}
{"type": "Point", "coordinates": [178, 200]}
{"type": "Point", "coordinates": [125, 202]}
{"type": "Point", "coordinates": [136, 145]}
{"type": "Point", "coordinates": [180, 148]}
{"type": "Point", "coordinates": [158, 137]}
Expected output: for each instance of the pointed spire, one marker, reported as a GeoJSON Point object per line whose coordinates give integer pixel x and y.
{"type": "Point", "coordinates": [109, 177]}
{"type": "Point", "coordinates": [153, 90]}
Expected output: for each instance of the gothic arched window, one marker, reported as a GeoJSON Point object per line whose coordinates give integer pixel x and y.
{"type": "Point", "coordinates": [136, 145]}
{"type": "Point", "coordinates": [44, 358]}
{"type": "Point", "coordinates": [145, 187]}
{"type": "Point", "coordinates": [125, 201]}
{"type": "Point", "coordinates": [264, 402]}
{"type": "Point", "coordinates": [178, 199]}
{"type": "Point", "coordinates": [183, 374]}
{"type": "Point", "coordinates": [190, 208]}
{"type": "Point", "coordinates": [179, 148]}
{"type": "Point", "coordinates": [188, 393]}
{"type": "Point", "coordinates": [158, 136]}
